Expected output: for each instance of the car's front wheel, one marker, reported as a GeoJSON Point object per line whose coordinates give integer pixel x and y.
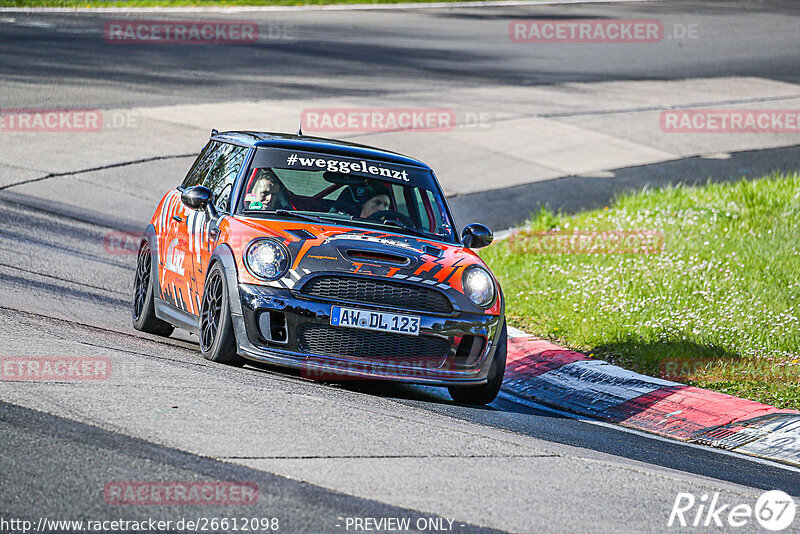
{"type": "Point", "coordinates": [217, 341]}
{"type": "Point", "coordinates": [142, 304]}
{"type": "Point", "coordinates": [485, 393]}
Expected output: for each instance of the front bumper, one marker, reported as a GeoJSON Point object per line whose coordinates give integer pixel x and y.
{"type": "Point", "coordinates": [452, 368]}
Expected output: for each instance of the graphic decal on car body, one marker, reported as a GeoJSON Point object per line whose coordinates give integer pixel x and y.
{"type": "Point", "coordinates": [336, 258]}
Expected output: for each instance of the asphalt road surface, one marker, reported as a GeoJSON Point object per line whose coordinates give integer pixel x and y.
{"type": "Point", "coordinates": [64, 59]}
{"type": "Point", "coordinates": [321, 455]}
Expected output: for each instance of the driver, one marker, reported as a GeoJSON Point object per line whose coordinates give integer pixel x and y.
{"type": "Point", "coordinates": [268, 193]}
{"type": "Point", "coordinates": [376, 198]}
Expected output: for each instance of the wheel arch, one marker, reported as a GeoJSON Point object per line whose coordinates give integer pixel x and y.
{"type": "Point", "coordinates": [151, 238]}
{"type": "Point", "coordinates": [502, 323]}
{"type": "Point", "coordinates": [223, 255]}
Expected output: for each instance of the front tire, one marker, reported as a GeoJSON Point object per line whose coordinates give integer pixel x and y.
{"type": "Point", "coordinates": [485, 393]}
{"type": "Point", "coordinates": [217, 341]}
{"type": "Point", "coordinates": [142, 305]}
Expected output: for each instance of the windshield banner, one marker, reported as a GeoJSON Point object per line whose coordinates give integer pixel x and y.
{"type": "Point", "coordinates": [309, 161]}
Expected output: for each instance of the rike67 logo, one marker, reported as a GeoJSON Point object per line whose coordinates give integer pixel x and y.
{"type": "Point", "coordinates": [774, 510]}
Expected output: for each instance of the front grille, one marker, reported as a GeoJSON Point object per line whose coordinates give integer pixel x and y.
{"type": "Point", "coordinates": [380, 292]}
{"type": "Point", "coordinates": [382, 347]}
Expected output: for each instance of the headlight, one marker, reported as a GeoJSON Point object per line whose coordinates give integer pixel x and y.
{"type": "Point", "coordinates": [479, 286]}
{"type": "Point", "coordinates": [266, 259]}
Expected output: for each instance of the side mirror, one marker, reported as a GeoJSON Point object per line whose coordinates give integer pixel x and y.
{"type": "Point", "coordinates": [199, 197]}
{"type": "Point", "coordinates": [476, 236]}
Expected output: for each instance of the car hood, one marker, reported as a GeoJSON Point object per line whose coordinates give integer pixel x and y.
{"type": "Point", "coordinates": [319, 249]}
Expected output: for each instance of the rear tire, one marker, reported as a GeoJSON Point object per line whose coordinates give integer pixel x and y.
{"type": "Point", "coordinates": [217, 340]}
{"type": "Point", "coordinates": [142, 304]}
{"type": "Point", "coordinates": [485, 393]}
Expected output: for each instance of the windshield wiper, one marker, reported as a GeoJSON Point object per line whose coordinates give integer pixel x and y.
{"type": "Point", "coordinates": [296, 215]}
{"type": "Point", "coordinates": [398, 225]}
{"type": "Point", "coordinates": [343, 217]}
{"type": "Point", "coordinates": [414, 231]}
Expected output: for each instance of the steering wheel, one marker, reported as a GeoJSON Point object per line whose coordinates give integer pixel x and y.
{"type": "Point", "coordinates": [385, 216]}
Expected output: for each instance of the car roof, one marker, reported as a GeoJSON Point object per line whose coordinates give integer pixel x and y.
{"type": "Point", "coordinates": [314, 144]}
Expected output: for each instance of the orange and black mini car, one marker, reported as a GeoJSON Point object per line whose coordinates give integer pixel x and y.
{"type": "Point", "coordinates": [335, 258]}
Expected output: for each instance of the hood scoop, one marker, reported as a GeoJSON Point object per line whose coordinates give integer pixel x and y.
{"type": "Point", "coordinates": [360, 255]}
{"type": "Point", "coordinates": [301, 233]}
{"type": "Point", "coordinates": [433, 251]}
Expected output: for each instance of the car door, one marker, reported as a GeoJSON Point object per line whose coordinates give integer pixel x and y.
{"type": "Point", "coordinates": [203, 235]}
{"type": "Point", "coordinates": [175, 260]}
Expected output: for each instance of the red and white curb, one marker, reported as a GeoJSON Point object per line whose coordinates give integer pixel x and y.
{"type": "Point", "coordinates": [554, 376]}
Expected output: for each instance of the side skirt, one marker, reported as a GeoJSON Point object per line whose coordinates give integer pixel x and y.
{"type": "Point", "coordinates": [177, 317]}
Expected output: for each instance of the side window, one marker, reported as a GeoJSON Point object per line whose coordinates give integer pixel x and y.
{"type": "Point", "coordinates": [200, 168]}
{"type": "Point", "coordinates": [399, 198]}
{"type": "Point", "coordinates": [409, 203]}
{"type": "Point", "coordinates": [442, 226]}
{"type": "Point", "coordinates": [222, 173]}
{"type": "Point", "coordinates": [423, 213]}
{"type": "Point", "coordinates": [437, 210]}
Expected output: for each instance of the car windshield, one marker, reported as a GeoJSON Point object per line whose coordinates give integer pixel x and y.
{"type": "Point", "coordinates": [342, 192]}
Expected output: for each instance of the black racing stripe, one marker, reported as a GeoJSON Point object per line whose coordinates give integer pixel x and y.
{"type": "Point", "coordinates": [180, 299]}
{"type": "Point", "coordinates": [167, 295]}
{"type": "Point", "coordinates": [191, 229]}
{"type": "Point", "coordinates": [455, 268]}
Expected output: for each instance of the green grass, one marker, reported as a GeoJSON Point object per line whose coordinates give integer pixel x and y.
{"type": "Point", "coordinates": [722, 300]}
{"type": "Point", "coordinates": [206, 3]}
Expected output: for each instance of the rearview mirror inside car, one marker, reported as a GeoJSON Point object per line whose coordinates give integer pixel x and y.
{"type": "Point", "coordinates": [343, 179]}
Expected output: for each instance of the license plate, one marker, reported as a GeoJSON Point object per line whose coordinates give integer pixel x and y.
{"type": "Point", "coordinates": [371, 320]}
